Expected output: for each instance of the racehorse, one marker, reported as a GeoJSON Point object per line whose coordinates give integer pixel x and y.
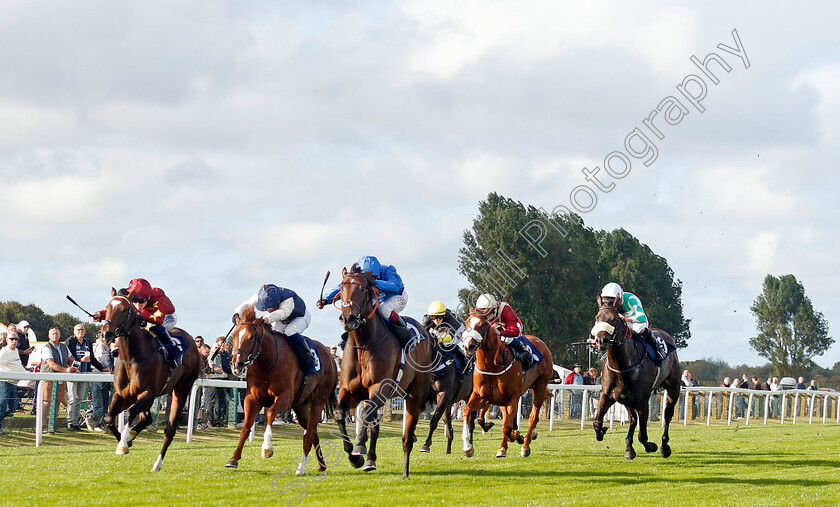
{"type": "Point", "coordinates": [275, 380]}
{"type": "Point", "coordinates": [630, 375]}
{"type": "Point", "coordinates": [375, 367]}
{"type": "Point", "coordinates": [448, 386]}
{"type": "Point", "coordinates": [142, 374]}
{"type": "Point", "coordinates": [498, 379]}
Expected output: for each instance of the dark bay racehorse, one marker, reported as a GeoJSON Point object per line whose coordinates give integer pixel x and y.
{"type": "Point", "coordinates": [629, 377]}
{"type": "Point", "coordinates": [275, 380]}
{"type": "Point", "coordinates": [498, 379]}
{"type": "Point", "coordinates": [449, 386]}
{"type": "Point", "coordinates": [375, 367]}
{"type": "Point", "coordinates": [142, 374]}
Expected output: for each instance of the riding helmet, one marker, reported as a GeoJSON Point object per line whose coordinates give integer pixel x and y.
{"type": "Point", "coordinates": [486, 302]}
{"type": "Point", "coordinates": [436, 308]}
{"type": "Point", "coordinates": [268, 297]}
{"type": "Point", "coordinates": [141, 288]}
{"type": "Point", "coordinates": [369, 263]}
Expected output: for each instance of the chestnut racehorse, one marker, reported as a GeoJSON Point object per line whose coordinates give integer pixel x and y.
{"type": "Point", "coordinates": [375, 367]}
{"type": "Point", "coordinates": [142, 374]}
{"type": "Point", "coordinates": [498, 379]}
{"type": "Point", "coordinates": [629, 377]}
{"type": "Point", "coordinates": [275, 380]}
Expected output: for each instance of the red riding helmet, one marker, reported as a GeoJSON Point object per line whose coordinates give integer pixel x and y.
{"type": "Point", "coordinates": [141, 288]}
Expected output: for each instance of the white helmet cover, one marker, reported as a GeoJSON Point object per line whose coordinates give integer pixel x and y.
{"type": "Point", "coordinates": [486, 302]}
{"type": "Point", "coordinates": [612, 290]}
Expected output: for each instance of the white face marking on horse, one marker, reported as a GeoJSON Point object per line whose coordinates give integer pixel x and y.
{"type": "Point", "coordinates": [115, 303]}
{"type": "Point", "coordinates": [474, 321]}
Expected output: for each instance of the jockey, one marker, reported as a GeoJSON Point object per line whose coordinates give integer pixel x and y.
{"type": "Point", "coordinates": [632, 312]}
{"type": "Point", "coordinates": [501, 316]}
{"type": "Point", "coordinates": [156, 309]}
{"type": "Point", "coordinates": [392, 295]}
{"type": "Point", "coordinates": [441, 323]}
{"type": "Point", "coordinates": [287, 314]}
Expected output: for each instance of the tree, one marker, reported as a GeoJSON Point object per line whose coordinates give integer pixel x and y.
{"type": "Point", "coordinates": [790, 332]}
{"type": "Point", "coordinates": [639, 270]}
{"type": "Point", "coordinates": [552, 286]}
{"type": "Point", "coordinates": [40, 322]}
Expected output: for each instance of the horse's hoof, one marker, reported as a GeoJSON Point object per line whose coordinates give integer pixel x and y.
{"type": "Point", "coordinates": [232, 463]}
{"type": "Point", "coordinates": [267, 453]}
{"type": "Point", "coordinates": [425, 448]}
{"type": "Point", "coordinates": [486, 427]}
{"type": "Point", "coordinates": [520, 439]}
{"type": "Point", "coordinates": [370, 466]}
{"type": "Point", "coordinates": [359, 450]}
{"type": "Point", "coordinates": [501, 454]}
{"type": "Point", "coordinates": [357, 461]}
{"type": "Point", "coordinates": [122, 450]}
{"type": "Point", "coordinates": [525, 452]}
{"type": "Point", "coordinates": [534, 435]}
{"type": "Point", "coordinates": [651, 447]}
{"type": "Point", "coordinates": [158, 464]}
{"type": "Point", "coordinates": [469, 452]}
{"type": "Point", "coordinates": [665, 451]}
{"type": "Point", "coordinates": [629, 454]}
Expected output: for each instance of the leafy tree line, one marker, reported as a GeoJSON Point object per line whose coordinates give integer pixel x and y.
{"type": "Point", "coordinates": [550, 268]}
{"type": "Point", "coordinates": [711, 372]}
{"type": "Point", "coordinates": [12, 312]}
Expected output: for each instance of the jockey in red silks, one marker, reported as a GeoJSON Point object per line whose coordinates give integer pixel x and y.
{"type": "Point", "coordinates": [501, 316]}
{"type": "Point", "coordinates": [156, 308]}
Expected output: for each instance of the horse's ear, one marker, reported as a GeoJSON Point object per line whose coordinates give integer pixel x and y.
{"type": "Point", "coordinates": [248, 315]}
{"type": "Point", "coordinates": [344, 271]}
{"type": "Point", "coordinates": [113, 292]}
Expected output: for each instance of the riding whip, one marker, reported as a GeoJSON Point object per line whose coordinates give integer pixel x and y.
{"type": "Point", "coordinates": [80, 307]}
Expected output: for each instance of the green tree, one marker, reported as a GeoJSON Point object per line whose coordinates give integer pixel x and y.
{"type": "Point", "coordinates": [14, 312]}
{"type": "Point", "coordinates": [790, 332]}
{"type": "Point", "coordinates": [551, 284]}
{"type": "Point", "coordinates": [639, 270]}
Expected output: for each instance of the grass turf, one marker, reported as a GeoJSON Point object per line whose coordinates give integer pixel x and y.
{"type": "Point", "coordinates": [737, 465]}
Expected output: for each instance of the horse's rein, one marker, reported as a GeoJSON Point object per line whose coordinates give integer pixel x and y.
{"type": "Point", "coordinates": [118, 328]}
{"type": "Point", "coordinates": [614, 341]}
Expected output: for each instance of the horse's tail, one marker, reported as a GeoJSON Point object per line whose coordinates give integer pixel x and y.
{"type": "Point", "coordinates": [332, 402]}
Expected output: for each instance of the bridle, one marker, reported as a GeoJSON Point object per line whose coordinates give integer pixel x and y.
{"type": "Point", "coordinates": [616, 341]}
{"type": "Point", "coordinates": [483, 336]}
{"type": "Point", "coordinates": [118, 330]}
{"type": "Point", "coordinates": [370, 293]}
{"type": "Point", "coordinates": [256, 348]}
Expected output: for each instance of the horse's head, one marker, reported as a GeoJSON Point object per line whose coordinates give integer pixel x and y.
{"type": "Point", "coordinates": [478, 330]}
{"type": "Point", "coordinates": [120, 316]}
{"type": "Point", "coordinates": [358, 298]}
{"type": "Point", "coordinates": [609, 327]}
{"type": "Point", "coordinates": [247, 337]}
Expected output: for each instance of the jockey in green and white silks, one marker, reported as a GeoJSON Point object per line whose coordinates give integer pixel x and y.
{"type": "Point", "coordinates": [633, 314]}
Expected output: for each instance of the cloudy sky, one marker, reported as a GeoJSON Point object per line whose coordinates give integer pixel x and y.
{"type": "Point", "coordinates": [214, 146]}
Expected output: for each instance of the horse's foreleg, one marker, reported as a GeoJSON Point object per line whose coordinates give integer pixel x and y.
{"type": "Point", "coordinates": [251, 405]}
{"type": "Point", "coordinates": [539, 398]}
{"type": "Point", "coordinates": [440, 408]}
{"type": "Point", "coordinates": [604, 405]}
{"type": "Point", "coordinates": [629, 452]}
{"type": "Point", "coordinates": [142, 405]}
{"type": "Point", "coordinates": [447, 429]}
{"type": "Point", "coordinates": [508, 417]}
{"type": "Point", "coordinates": [473, 404]}
{"type": "Point", "coordinates": [342, 409]}
{"type": "Point", "coordinates": [309, 425]}
{"type": "Point", "coordinates": [643, 435]}
{"type": "Point", "coordinates": [412, 414]}
{"type": "Point", "coordinates": [118, 404]}
{"type": "Point", "coordinates": [673, 397]}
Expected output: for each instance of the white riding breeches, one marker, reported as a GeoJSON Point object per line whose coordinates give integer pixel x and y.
{"type": "Point", "coordinates": [638, 327]}
{"type": "Point", "coordinates": [297, 325]}
{"type": "Point", "coordinates": [393, 304]}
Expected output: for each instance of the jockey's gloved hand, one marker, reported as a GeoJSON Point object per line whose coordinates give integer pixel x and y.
{"type": "Point", "coordinates": [321, 303]}
{"type": "Point", "coordinates": [233, 319]}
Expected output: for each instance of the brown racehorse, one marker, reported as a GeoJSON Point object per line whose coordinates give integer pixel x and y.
{"type": "Point", "coordinates": [374, 367]}
{"type": "Point", "coordinates": [275, 380]}
{"type": "Point", "coordinates": [498, 379]}
{"type": "Point", "coordinates": [629, 377]}
{"type": "Point", "coordinates": [142, 374]}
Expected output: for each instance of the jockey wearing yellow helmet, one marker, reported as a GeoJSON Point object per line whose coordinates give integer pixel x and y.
{"type": "Point", "coordinates": [441, 323]}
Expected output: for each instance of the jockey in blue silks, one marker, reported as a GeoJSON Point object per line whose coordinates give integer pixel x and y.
{"type": "Point", "coordinates": [392, 294]}
{"type": "Point", "coordinates": [287, 314]}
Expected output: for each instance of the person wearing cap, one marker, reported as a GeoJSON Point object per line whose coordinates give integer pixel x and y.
{"type": "Point", "coordinates": [501, 316]}
{"type": "Point", "coordinates": [630, 307]}
{"type": "Point", "coordinates": [441, 323]}
{"type": "Point", "coordinates": [157, 309]}
{"type": "Point", "coordinates": [287, 314]}
{"type": "Point", "coordinates": [24, 348]}
{"type": "Point", "coordinates": [392, 295]}
{"type": "Point", "coordinates": [9, 361]}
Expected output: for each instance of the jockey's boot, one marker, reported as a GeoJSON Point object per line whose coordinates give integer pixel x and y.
{"type": "Point", "coordinates": [400, 329]}
{"type": "Point", "coordinates": [343, 340]}
{"type": "Point", "coordinates": [648, 336]}
{"type": "Point", "coordinates": [521, 352]}
{"type": "Point", "coordinates": [173, 352]}
{"type": "Point", "coordinates": [308, 358]}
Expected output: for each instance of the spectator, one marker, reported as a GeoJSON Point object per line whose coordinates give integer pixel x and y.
{"type": "Point", "coordinates": [9, 361]}
{"type": "Point", "coordinates": [24, 347]}
{"type": "Point", "coordinates": [205, 358]}
{"type": "Point", "coordinates": [741, 406]}
{"type": "Point", "coordinates": [688, 381]}
{"type": "Point", "coordinates": [100, 391]}
{"type": "Point", "coordinates": [722, 398]}
{"type": "Point", "coordinates": [55, 358]}
{"type": "Point", "coordinates": [217, 397]}
{"type": "Point", "coordinates": [575, 377]}
{"type": "Point", "coordinates": [336, 357]}
{"type": "Point", "coordinates": [801, 383]}
{"type": "Point", "coordinates": [199, 341]}
{"type": "Point", "coordinates": [594, 380]}
{"type": "Point", "coordinates": [813, 385]}
{"type": "Point", "coordinates": [81, 351]}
